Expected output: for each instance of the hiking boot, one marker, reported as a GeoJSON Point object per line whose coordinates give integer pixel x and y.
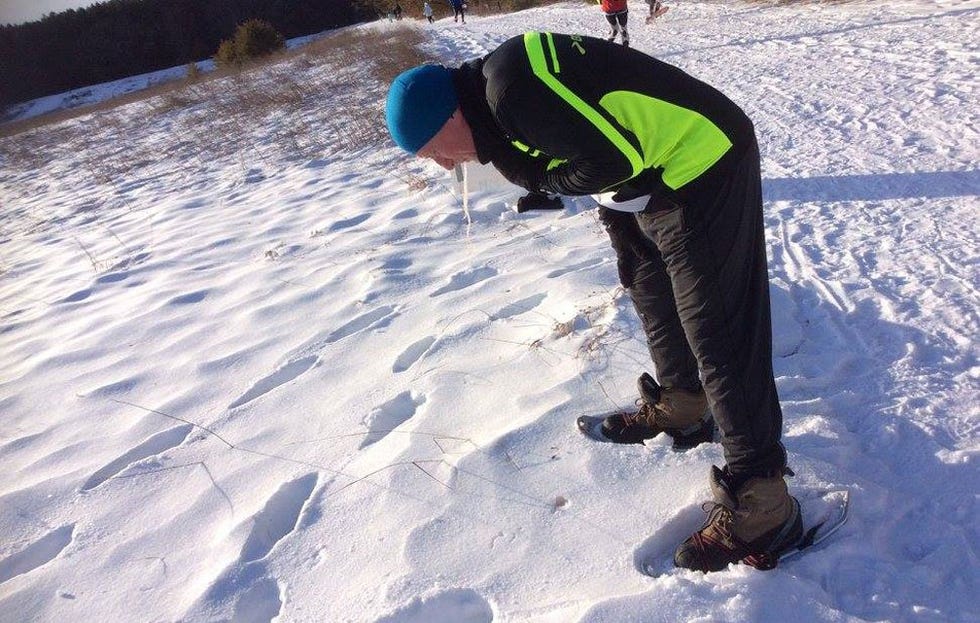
{"type": "Point", "coordinates": [751, 522]}
{"type": "Point", "coordinates": [681, 413]}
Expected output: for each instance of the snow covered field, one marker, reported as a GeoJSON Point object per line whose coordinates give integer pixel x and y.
{"type": "Point", "coordinates": [253, 388]}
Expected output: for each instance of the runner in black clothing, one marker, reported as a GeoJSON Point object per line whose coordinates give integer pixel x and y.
{"type": "Point", "coordinates": [459, 10]}
{"type": "Point", "coordinates": [579, 116]}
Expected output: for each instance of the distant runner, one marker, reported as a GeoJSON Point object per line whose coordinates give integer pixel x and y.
{"type": "Point", "coordinates": [657, 8]}
{"type": "Point", "coordinates": [616, 12]}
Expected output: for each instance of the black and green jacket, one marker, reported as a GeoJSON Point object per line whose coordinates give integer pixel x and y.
{"type": "Point", "coordinates": [577, 115]}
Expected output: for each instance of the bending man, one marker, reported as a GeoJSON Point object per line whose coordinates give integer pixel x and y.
{"type": "Point", "coordinates": [578, 115]}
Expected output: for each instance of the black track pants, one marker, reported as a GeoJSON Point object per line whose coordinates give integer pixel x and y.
{"type": "Point", "coordinates": [695, 267]}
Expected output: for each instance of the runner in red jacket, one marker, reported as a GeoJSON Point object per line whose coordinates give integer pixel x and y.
{"type": "Point", "coordinates": [616, 13]}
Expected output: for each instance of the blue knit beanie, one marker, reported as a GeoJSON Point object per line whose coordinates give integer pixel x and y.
{"type": "Point", "coordinates": [420, 101]}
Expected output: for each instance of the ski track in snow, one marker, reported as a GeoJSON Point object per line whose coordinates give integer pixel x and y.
{"type": "Point", "coordinates": [260, 389]}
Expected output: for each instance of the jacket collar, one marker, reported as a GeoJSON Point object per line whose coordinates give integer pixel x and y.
{"type": "Point", "coordinates": [489, 139]}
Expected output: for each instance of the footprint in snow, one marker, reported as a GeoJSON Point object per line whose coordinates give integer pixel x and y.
{"type": "Point", "coordinates": [161, 442]}
{"type": "Point", "coordinates": [80, 295]}
{"type": "Point", "coordinates": [280, 377]}
{"type": "Point", "coordinates": [575, 268]}
{"type": "Point", "coordinates": [188, 299]}
{"type": "Point", "coordinates": [519, 307]}
{"type": "Point", "coordinates": [378, 317]}
{"type": "Point", "coordinates": [348, 223]}
{"type": "Point", "coordinates": [37, 554]}
{"type": "Point", "coordinates": [112, 277]}
{"type": "Point", "coordinates": [244, 592]}
{"type": "Point", "coordinates": [457, 605]}
{"type": "Point", "coordinates": [389, 416]}
{"type": "Point", "coordinates": [396, 264]}
{"type": "Point", "coordinates": [193, 204]}
{"type": "Point", "coordinates": [409, 213]}
{"type": "Point", "coordinates": [116, 387]}
{"type": "Point", "coordinates": [254, 176]}
{"type": "Point", "coordinates": [317, 163]}
{"type": "Point", "coordinates": [412, 354]}
{"type": "Point", "coordinates": [466, 279]}
{"type": "Point", "coordinates": [278, 518]}
{"type": "Point", "coordinates": [259, 603]}
{"type": "Point", "coordinates": [15, 445]}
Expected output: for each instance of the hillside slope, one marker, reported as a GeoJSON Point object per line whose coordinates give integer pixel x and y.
{"type": "Point", "coordinates": [253, 385]}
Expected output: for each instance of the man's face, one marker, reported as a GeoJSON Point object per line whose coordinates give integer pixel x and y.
{"type": "Point", "coordinates": [452, 144]}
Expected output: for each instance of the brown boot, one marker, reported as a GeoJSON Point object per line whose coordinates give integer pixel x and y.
{"type": "Point", "coordinates": [752, 522]}
{"type": "Point", "coordinates": [683, 414]}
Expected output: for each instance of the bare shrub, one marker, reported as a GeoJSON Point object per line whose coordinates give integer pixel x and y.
{"type": "Point", "coordinates": [253, 39]}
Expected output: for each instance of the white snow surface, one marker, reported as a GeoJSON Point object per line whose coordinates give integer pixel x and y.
{"type": "Point", "coordinates": [251, 388]}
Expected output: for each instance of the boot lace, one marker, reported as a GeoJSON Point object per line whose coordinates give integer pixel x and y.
{"type": "Point", "coordinates": [645, 415]}
{"type": "Point", "coordinates": [717, 533]}
{"type": "Point", "coordinates": [720, 519]}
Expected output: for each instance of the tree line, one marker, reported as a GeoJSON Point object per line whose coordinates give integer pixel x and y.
{"type": "Point", "coordinates": [118, 38]}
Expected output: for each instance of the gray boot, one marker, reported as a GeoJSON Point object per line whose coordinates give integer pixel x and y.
{"type": "Point", "coordinates": [751, 521]}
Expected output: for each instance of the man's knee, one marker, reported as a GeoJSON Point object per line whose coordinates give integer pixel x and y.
{"type": "Point", "coordinates": [631, 246]}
